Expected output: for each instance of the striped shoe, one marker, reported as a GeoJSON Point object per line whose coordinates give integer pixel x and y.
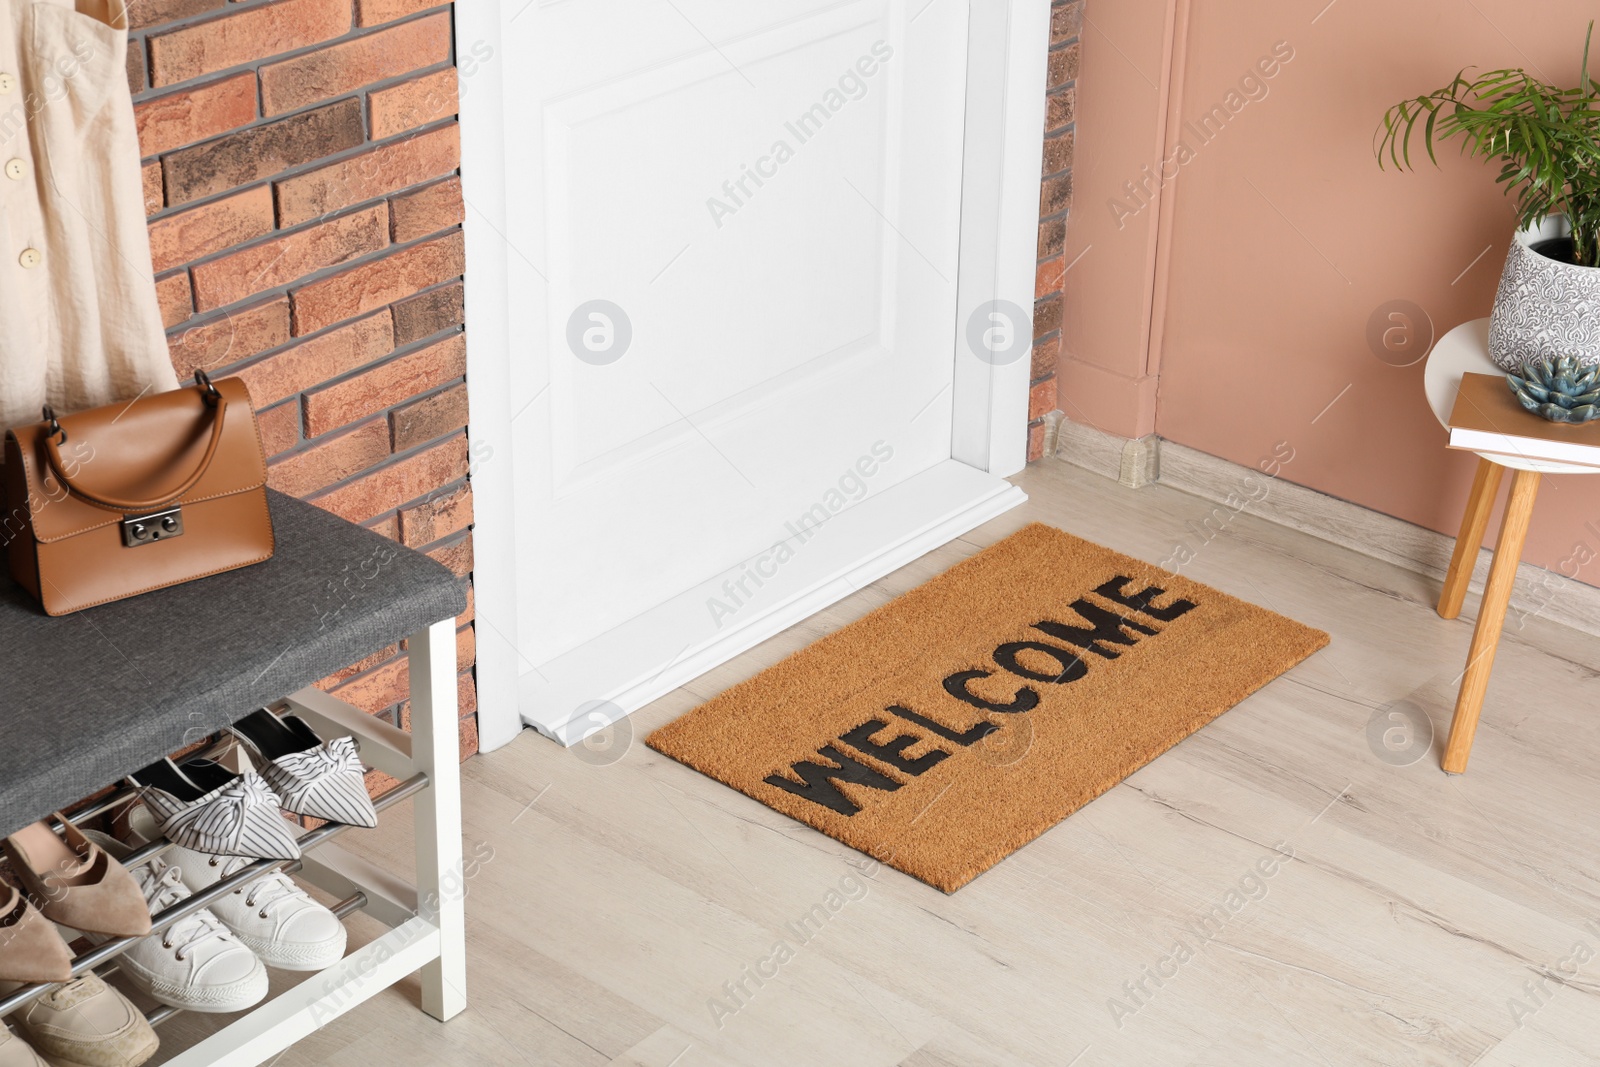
{"type": "Point", "coordinates": [324, 780]}
{"type": "Point", "coordinates": [207, 808]}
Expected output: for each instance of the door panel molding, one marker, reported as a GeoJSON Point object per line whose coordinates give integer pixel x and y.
{"type": "Point", "coordinates": [633, 452]}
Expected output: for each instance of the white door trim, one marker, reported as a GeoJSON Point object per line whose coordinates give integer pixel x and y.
{"type": "Point", "coordinates": [1007, 53]}
{"type": "Point", "coordinates": [1007, 50]}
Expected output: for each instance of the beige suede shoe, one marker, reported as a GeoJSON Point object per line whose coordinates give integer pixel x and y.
{"type": "Point", "coordinates": [15, 1052]}
{"type": "Point", "coordinates": [75, 883]}
{"type": "Point", "coordinates": [86, 1023]}
{"type": "Point", "coordinates": [31, 949]}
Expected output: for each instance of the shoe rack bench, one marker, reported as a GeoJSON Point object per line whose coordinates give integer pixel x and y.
{"type": "Point", "coordinates": [97, 695]}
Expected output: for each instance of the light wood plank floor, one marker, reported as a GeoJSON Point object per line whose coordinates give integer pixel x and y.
{"type": "Point", "coordinates": [1423, 919]}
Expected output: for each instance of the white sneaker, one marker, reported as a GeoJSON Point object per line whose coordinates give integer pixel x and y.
{"type": "Point", "coordinates": [272, 916]}
{"type": "Point", "coordinates": [196, 963]}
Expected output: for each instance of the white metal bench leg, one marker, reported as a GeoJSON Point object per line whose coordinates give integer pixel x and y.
{"type": "Point", "coordinates": [435, 750]}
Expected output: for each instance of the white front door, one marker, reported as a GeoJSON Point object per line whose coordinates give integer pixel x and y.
{"type": "Point", "coordinates": [733, 236]}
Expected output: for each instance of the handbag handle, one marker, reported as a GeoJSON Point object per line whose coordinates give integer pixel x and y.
{"type": "Point", "coordinates": [52, 449]}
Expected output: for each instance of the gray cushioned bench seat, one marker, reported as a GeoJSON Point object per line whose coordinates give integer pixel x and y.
{"type": "Point", "coordinates": [89, 697]}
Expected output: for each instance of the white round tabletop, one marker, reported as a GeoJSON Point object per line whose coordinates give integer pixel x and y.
{"type": "Point", "coordinates": [1466, 349]}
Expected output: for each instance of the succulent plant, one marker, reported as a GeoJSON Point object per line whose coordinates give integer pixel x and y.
{"type": "Point", "coordinates": [1561, 390]}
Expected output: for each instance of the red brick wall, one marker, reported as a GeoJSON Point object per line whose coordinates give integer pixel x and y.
{"type": "Point", "coordinates": [301, 176]}
{"type": "Point", "coordinates": [1055, 197]}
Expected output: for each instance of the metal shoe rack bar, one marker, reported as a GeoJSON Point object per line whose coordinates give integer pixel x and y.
{"type": "Point", "coordinates": [108, 951]}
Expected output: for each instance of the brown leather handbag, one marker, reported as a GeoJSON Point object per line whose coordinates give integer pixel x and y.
{"type": "Point", "coordinates": [131, 497]}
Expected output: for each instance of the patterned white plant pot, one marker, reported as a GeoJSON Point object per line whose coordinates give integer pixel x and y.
{"type": "Point", "coordinates": [1545, 308]}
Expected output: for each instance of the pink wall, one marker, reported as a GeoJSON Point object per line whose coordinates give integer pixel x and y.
{"type": "Point", "coordinates": [1123, 79]}
{"type": "Point", "coordinates": [1279, 238]}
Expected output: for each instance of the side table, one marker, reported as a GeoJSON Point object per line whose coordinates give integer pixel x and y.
{"type": "Point", "coordinates": [1466, 349]}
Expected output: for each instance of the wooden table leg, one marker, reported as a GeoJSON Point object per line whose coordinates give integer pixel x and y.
{"type": "Point", "coordinates": [1480, 502]}
{"type": "Point", "coordinates": [1491, 619]}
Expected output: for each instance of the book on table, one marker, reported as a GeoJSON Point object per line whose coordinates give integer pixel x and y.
{"type": "Point", "coordinates": [1487, 417]}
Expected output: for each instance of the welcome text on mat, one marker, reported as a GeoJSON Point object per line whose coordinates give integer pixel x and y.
{"type": "Point", "coordinates": [1107, 626]}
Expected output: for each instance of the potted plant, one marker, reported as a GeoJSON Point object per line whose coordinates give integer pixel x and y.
{"type": "Point", "coordinates": [1548, 141]}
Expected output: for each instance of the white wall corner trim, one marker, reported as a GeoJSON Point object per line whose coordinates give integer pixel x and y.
{"type": "Point", "coordinates": [488, 371]}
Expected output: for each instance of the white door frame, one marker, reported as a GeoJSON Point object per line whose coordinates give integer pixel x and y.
{"type": "Point", "coordinates": [1007, 45]}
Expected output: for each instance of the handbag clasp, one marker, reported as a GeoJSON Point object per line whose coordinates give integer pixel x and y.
{"type": "Point", "coordinates": [55, 424]}
{"type": "Point", "coordinates": [148, 529]}
{"type": "Point", "coordinates": [208, 391]}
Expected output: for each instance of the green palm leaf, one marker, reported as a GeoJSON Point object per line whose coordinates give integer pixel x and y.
{"type": "Point", "coordinates": [1547, 138]}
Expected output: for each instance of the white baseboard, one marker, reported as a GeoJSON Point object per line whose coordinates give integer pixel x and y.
{"type": "Point", "coordinates": [1539, 592]}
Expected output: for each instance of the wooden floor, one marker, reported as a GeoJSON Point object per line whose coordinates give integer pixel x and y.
{"type": "Point", "coordinates": [1423, 919]}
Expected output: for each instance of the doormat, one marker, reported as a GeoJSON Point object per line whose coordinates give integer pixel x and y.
{"type": "Point", "coordinates": [952, 726]}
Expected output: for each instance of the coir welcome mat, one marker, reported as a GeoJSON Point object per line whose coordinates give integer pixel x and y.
{"type": "Point", "coordinates": [954, 725]}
